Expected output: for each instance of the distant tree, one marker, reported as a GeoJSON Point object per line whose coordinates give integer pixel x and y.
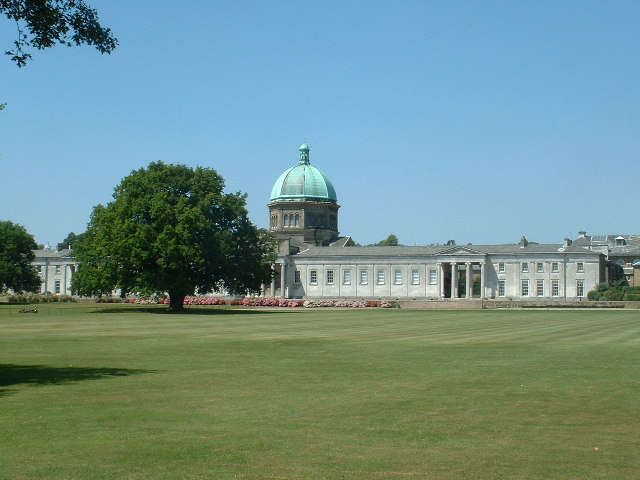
{"type": "Point", "coordinates": [70, 241]}
{"type": "Point", "coordinates": [16, 255]}
{"type": "Point", "coordinates": [44, 23]}
{"type": "Point", "coordinates": [170, 228]}
{"type": "Point", "coordinates": [390, 241]}
{"type": "Point", "coordinates": [451, 242]}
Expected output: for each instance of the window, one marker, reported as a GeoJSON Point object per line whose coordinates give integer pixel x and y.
{"type": "Point", "coordinates": [296, 276]}
{"type": "Point", "coordinates": [380, 277]}
{"type": "Point", "coordinates": [501, 288]}
{"type": "Point", "coordinates": [285, 221]}
{"type": "Point", "coordinates": [57, 286]}
{"type": "Point", "coordinates": [313, 277]}
{"type": "Point", "coordinates": [364, 277]}
{"type": "Point", "coordinates": [525, 288]}
{"type": "Point", "coordinates": [555, 267]}
{"type": "Point", "coordinates": [525, 267]}
{"type": "Point", "coordinates": [433, 277]}
{"type": "Point", "coordinates": [501, 267]}
{"type": "Point", "coordinates": [397, 277]}
{"type": "Point", "coordinates": [329, 277]}
{"type": "Point", "coordinates": [580, 288]}
{"type": "Point", "coordinates": [415, 277]}
{"type": "Point", "coordinates": [297, 220]}
{"type": "Point", "coordinates": [346, 277]}
{"type": "Point", "coordinates": [580, 267]}
{"type": "Point", "coordinates": [57, 268]}
{"type": "Point", "coordinates": [555, 288]}
{"type": "Point", "coordinates": [540, 288]}
{"type": "Point", "coordinates": [540, 267]}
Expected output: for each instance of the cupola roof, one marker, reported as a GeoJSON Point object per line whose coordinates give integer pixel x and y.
{"type": "Point", "coordinates": [303, 183]}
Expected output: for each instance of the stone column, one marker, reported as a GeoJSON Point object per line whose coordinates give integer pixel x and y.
{"type": "Point", "coordinates": [439, 282]}
{"type": "Point", "coordinates": [482, 286]}
{"type": "Point", "coordinates": [283, 280]}
{"type": "Point", "coordinates": [273, 281]}
{"type": "Point", "coordinates": [469, 282]}
{"type": "Point", "coordinates": [454, 280]}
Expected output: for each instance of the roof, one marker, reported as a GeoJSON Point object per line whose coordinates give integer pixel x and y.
{"type": "Point", "coordinates": [303, 183]}
{"type": "Point", "coordinates": [50, 253]}
{"type": "Point", "coordinates": [432, 250]}
{"type": "Point", "coordinates": [611, 243]}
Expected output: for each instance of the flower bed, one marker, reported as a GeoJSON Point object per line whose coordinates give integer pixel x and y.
{"type": "Point", "coordinates": [270, 302]}
{"type": "Point", "coordinates": [282, 302]}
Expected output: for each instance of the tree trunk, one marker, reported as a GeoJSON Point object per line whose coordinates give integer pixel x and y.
{"type": "Point", "coordinates": [176, 302]}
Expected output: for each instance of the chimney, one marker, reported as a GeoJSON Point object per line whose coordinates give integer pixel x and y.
{"type": "Point", "coordinates": [567, 241]}
{"type": "Point", "coordinates": [523, 242]}
{"type": "Point", "coordinates": [582, 234]}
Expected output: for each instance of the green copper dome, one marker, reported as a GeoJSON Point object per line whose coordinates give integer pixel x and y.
{"type": "Point", "coordinates": [303, 183]}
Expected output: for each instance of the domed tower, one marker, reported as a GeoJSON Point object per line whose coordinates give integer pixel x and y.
{"type": "Point", "coordinates": [304, 206]}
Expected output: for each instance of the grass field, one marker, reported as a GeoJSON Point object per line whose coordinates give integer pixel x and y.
{"type": "Point", "coordinates": [119, 392]}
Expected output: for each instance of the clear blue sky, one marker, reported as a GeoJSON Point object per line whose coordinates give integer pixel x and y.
{"type": "Point", "coordinates": [478, 121]}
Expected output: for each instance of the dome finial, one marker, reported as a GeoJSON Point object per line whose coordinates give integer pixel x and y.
{"type": "Point", "coordinates": [304, 154]}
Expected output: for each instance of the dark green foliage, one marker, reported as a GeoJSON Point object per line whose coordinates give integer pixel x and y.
{"type": "Point", "coordinates": [170, 228]}
{"type": "Point", "coordinates": [618, 291]}
{"type": "Point", "coordinates": [70, 241]}
{"type": "Point", "coordinates": [16, 255]}
{"type": "Point", "coordinates": [44, 23]}
{"type": "Point", "coordinates": [390, 241]}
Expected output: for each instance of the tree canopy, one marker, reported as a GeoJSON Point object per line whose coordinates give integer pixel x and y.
{"type": "Point", "coordinates": [171, 228]}
{"type": "Point", "coordinates": [16, 255]}
{"type": "Point", "coordinates": [390, 241]}
{"type": "Point", "coordinates": [70, 241]}
{"type": "Point", "coordinates": [44, 23]}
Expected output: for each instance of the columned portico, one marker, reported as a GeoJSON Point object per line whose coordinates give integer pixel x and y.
{"type": "Point", "coordinates": [451, 274]}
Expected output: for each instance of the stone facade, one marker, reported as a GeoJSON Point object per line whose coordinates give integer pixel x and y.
{"type": "Point", "coordinates": [509, 272]}
{"type": "Point", "coordinates": [56, 268]}
{"type": "Point", "coordinates": [313, 262]}
{"type": "Point", "coordinates": [620, 250]}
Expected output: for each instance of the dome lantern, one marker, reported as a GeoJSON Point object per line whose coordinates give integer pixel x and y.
{"type": "Point", "coordinates": [304, 154]}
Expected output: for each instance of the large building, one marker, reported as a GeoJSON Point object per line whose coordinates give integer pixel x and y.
{"type": "Point", "coordinates": [620, 250]}
{"type": "Point", "coordinates": [55, 267]}
{"type": "Point", "coordinates": [314, 262]}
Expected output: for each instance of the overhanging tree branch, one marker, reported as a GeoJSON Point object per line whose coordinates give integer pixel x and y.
{"type": "Point", "coordinates": [49, 22]}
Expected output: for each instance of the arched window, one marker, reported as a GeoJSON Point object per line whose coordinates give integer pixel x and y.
{"type": "Point", "coordinates": [297, 220]}
{"type": "Point", "coordinates": [286, 220]}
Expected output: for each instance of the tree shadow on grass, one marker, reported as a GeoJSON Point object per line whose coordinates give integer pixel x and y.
{"type": "Point", "coordinates": [196, 310]}
{"type": "Point", "coordinates": [11, 374]}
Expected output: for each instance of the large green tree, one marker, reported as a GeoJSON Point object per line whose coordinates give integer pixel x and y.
{"type": "Point", "coordinates": [390, 241]}
{"type": "Point", "coordinates": [171, 228]}
{"type": "Point", "coordinates": [16, 255]}
{"type": "Point", "coordinates": [45, 23]}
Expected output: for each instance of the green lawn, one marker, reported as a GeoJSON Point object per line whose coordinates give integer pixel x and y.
{"type": "Point", "coordinates": [119, 392]}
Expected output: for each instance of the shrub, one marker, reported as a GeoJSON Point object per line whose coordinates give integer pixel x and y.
{"type": "Point", "coordinates": [26, 298]}
{"type": "Point", "coordinates": [110, 300]}
{"type": "Point", "coordinates": [613, 294]}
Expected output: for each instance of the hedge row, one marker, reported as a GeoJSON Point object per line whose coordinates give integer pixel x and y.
{"type": "Point", "coordinates": [35, 298]}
